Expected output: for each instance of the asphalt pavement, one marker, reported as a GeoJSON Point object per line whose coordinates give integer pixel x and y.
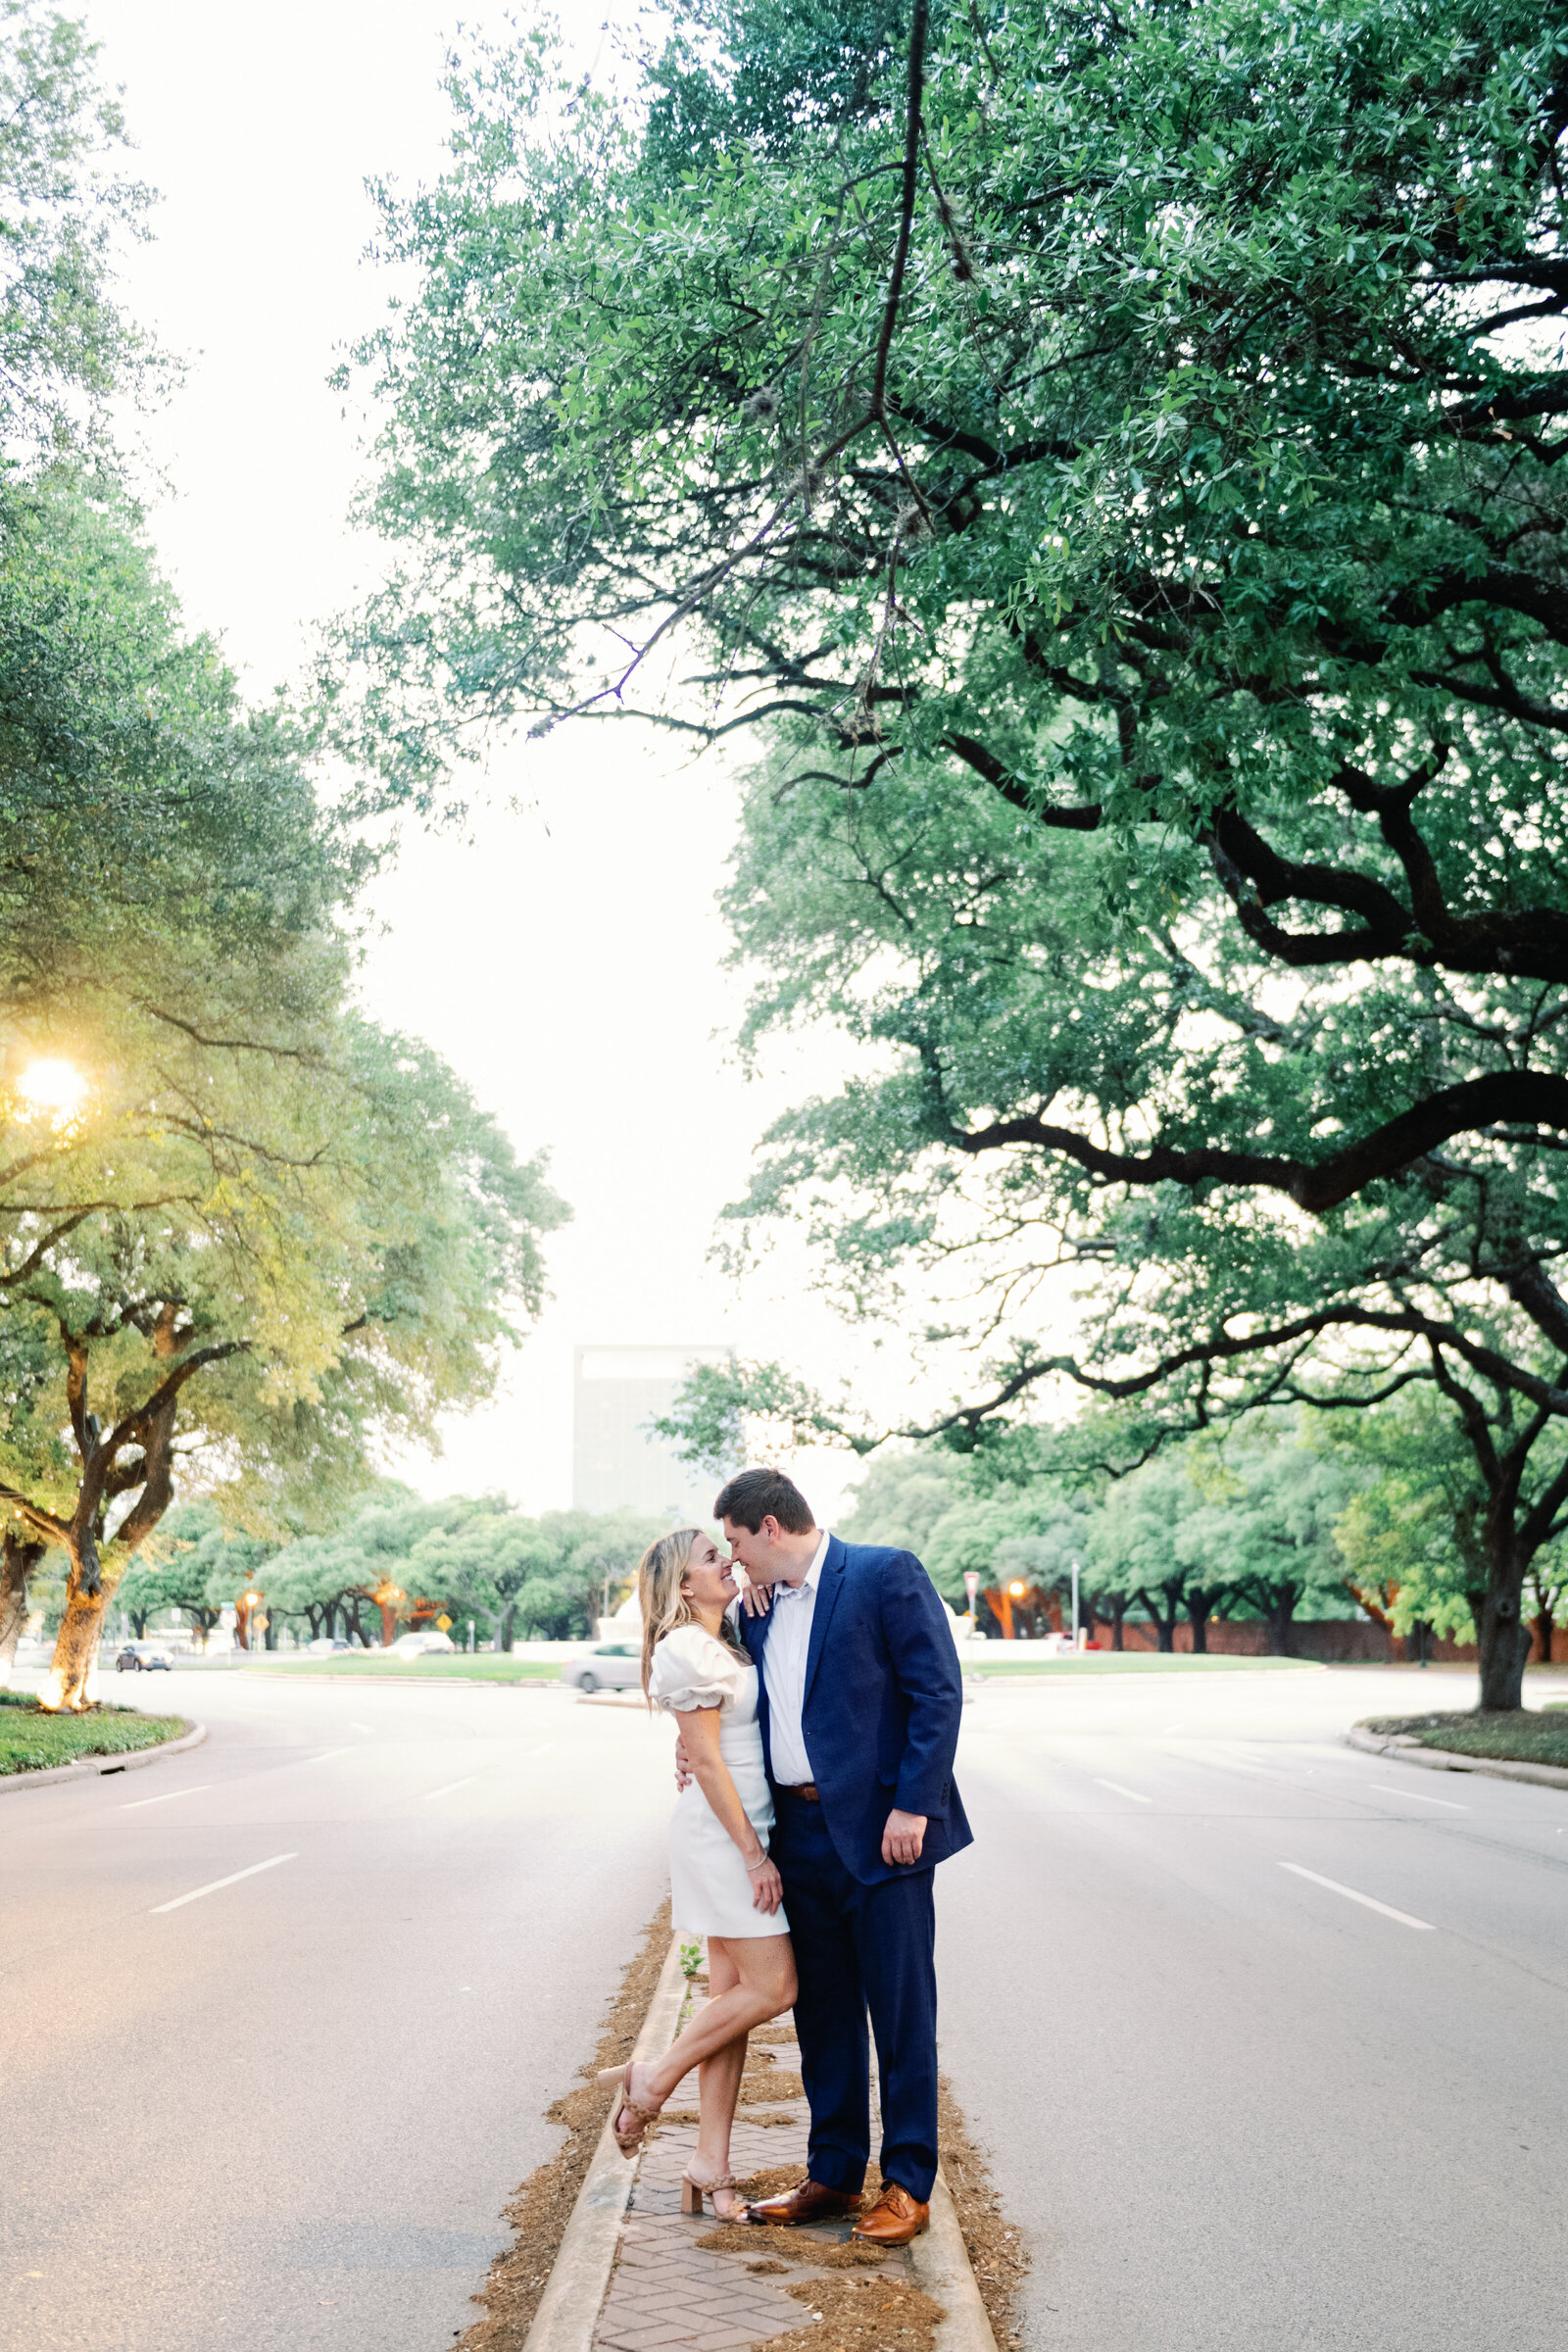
{"type": "Point", "coordinates": [286, 2114]}
{"type": "Point", "coordinates": [1264, 2036]}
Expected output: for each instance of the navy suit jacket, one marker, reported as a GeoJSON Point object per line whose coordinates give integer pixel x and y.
{"type": "Point", "coordinates": [884, 1699]}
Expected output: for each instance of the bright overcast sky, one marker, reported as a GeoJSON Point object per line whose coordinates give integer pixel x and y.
{"type": "Point", "coordinates": [569, 961]}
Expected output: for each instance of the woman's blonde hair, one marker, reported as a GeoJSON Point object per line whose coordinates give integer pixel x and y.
{"type": "Point", "coordinates": [660, 1573]}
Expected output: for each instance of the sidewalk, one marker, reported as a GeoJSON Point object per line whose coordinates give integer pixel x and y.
{"type": "Point", "coordinates": [680, 2282]}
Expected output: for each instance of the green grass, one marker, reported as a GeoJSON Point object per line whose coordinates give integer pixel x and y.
{"type": "Point", "coordinates": [481, 1667]}
{"type": "Point", "coordinates": [1128, 1661]}
{"type": "Point", "coordinates": [33, 1742]}
{"type": "Point", "coordinates": [1528, 1738]}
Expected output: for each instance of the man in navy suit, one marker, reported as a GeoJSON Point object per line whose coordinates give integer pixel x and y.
{"type": "Point", "coordinates": [859, 1704]}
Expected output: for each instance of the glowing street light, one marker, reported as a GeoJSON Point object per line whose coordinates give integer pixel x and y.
{"type": "Point", "coordinates": [1017, 1588]}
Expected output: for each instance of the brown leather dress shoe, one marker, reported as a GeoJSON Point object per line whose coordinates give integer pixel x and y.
{"type": "Point", "coordinates": [892, 2219]}
{"type": "Point", "coordinates": [806, 2201]}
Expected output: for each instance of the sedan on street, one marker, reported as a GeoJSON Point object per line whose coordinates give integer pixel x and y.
{"type": "Point", "coordinates": [612, 1666]}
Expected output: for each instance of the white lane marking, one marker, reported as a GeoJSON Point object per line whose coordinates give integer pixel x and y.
{"type": "Point", "coordinates": [369, 1728]}
{"type": "Point", "coordinates": [451, 1784]}
{"type": "Point", "coordinates": [212, 1884]}
{"type": "Point", "coordinates": [1117, 1790]}
{"type": "Point", "coordinates": [326, 1756]}
{"type": "Point", "coordinates": [539, 1751]}
{"type": "Point", "coordinates": [1418, 1797]}
{"type": "Point", "coordinates": [137, 1801]}
{"type": "Point", "coordinates": [1350, 1894]}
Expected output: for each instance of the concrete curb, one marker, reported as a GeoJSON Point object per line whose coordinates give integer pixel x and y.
{"type": "Point", "coordinates": [1409, 1750]}
{"type": "Point", "coordinates": [942, 2271]}
{"type": "Point", "coordinates": [86, 1767]}
{"type": "Point", "coordinates": [579, 2277]}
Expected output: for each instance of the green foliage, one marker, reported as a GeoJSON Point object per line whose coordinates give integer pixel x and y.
{"type": "Point", "coordinates": [64, 344]}
{"type": "Point", "coordinates": [898, 1500]}
{"type": "Point", "coordinates": [194, 1563]}
{"type": "Point", "coordinates": [540, 1579]}
{"type": "Point", "coordinates": [266, 1234]}
{"type": "Point", "coordinates": [1127, 488]}
{"type": "Point", "coordinates": [32, 1740]}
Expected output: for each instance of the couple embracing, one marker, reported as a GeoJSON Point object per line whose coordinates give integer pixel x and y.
{"type": "Point", "coordinates": [819, 1727]}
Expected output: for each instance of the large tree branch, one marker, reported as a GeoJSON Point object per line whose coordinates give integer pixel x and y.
{"type": "Point", "coordinates": [1083, 820]}
{"type": "Point", "coordinates": [1525, 1096]}
{"type": "Point", "coordinates": [137, 1424]}
{"type": "Point", "coordinates": [1223, 1347]}
{"type": "Point", "coordinates": [912, 180]}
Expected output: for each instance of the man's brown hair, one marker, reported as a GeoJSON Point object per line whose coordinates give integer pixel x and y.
{"type": "Point", "coordinates": [753, 1495]}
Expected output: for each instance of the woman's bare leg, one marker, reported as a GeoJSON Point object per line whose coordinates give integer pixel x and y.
{"type": "Point", "coordinates": [764, 1974]}
{"type": "Point", "coordinates": [718, 2075]}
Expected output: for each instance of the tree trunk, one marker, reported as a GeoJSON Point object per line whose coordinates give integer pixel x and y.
{"type": "Point", "coordinates": [1281, 1623]}
{"type": "Point", "coordinates": [76, 1647]}
{"type": "Point", "coordinates": [1504, 1636]}
{"type": "Point", "coordinates": [1164, 1627]}
{"type": "Point", "coordinates": [504, 1631]}
{"type": "Point", "coordinates": [1543, 1632]}
{"type": "Point", "coordinates": [18, 1560]}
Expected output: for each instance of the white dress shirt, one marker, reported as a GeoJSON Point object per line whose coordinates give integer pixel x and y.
{"type": "Point", "coordinates": [789, 1639]}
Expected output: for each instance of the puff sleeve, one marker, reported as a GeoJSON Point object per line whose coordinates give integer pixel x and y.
{"type": "Point", "coordinates": [690, 1669]}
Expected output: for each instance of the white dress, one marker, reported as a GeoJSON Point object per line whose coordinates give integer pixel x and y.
{"type": "Point", "coordinates": [710, 1888]}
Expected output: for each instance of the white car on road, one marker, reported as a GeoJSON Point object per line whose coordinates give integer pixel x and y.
{"type": "Point", "coordinates": [612, 1666]}
{"type": "Point", "coordinates": [422, 1646]}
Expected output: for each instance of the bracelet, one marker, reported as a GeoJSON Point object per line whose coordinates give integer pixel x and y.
{"type": "Point", "coordinates": [755, 1866]}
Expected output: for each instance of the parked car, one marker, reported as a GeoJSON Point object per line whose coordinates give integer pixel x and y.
{"type": "Point", "coordinates": [325, 1647]}
{"type": "Point", "coordinates": [143, 1657]}
{"type": "Point", "coordinates": [422, 1646]}
{"type": "Point", "coordinates": [612, 1666]}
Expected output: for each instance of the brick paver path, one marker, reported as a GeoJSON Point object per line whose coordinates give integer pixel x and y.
{"type": "Point", "coordinates": [665, 2290]}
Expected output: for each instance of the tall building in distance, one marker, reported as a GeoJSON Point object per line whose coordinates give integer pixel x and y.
{"type": "Point", "coordinates": [616, 1463]}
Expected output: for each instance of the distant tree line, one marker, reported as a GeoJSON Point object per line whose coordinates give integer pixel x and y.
{"type": "Point", "coordinates": [394, 1560]}
{"type": "Point", "coordinates": [1277, 1522]}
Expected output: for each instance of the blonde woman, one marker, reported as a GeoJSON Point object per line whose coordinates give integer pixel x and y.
{"type": "Point", "coordinates": [722, 1883]}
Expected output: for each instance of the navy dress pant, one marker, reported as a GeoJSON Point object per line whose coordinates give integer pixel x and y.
{"type": "Point", "coordinates": [857, 1949]}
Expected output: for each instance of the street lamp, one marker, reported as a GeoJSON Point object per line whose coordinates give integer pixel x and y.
{"type": "Point", "coordinates": [251, 1602]}
{"type": "Point", "coordinates": [1075, 1604]}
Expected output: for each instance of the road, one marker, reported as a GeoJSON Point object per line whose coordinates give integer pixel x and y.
{"type": "Point", "coordinates": [1228, 2104]}
{"type": "Point", "coordinates": [286, 2114]}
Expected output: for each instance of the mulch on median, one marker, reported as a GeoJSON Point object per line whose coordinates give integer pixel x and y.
{"type": "Point", "coordinates": [997, 2254]}
{"type": "Point", "coordinates": [861, 2314]}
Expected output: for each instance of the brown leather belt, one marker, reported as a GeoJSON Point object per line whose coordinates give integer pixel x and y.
{"type": "Point", "coordinates": [806, 1788]}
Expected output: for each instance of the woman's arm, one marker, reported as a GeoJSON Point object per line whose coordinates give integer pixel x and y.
{"type": "Point", "coordinates": [699, 1728]}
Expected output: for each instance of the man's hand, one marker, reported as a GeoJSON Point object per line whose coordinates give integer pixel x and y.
{"type": "Point", "coordinates": [904, 1837]}
{"type": "Point", "coordinates": [684, 1776]}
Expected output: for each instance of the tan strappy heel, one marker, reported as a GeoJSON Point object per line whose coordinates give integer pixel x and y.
{"type": "Point", "coordinates": [629, 2142]}
{"type": "Point", "coordinates": [692, 2193]}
